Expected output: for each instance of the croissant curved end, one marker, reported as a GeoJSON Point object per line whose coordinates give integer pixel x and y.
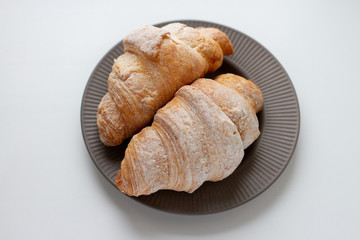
{"type": "Point", "coordinates": [246, 88]}
{"type": "Point", "coordinates": [123, 185]}
{"type": "Point", "coordinates": [110, 134]}
{"type": "Point", "coordinates": [111, 128]}
{"type": "Point", "coordinates": [220, 37]}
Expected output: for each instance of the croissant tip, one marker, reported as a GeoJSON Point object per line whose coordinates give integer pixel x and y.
{"type": "Point", "coordinates": [122, 185]}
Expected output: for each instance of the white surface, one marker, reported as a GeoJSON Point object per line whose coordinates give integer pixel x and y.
{"type": "Point", "coordinates": [50, 189]}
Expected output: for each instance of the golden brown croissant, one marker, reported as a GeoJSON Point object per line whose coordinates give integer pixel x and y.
{"type": "Point", "coordinates": [200, 135]}
{"type": "Point", "coordinates": [156, 63]}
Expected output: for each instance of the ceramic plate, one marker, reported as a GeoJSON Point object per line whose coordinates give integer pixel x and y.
{"type": "Point", "coordinates": [264, 160]}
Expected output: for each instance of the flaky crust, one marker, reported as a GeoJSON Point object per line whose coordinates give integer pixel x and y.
{"type": "Point", "coordinates": [156, 63]}
{"type": "Point", "coordinates": [235, 106]}
{"type": "Point", "coordinates": [200, 135]}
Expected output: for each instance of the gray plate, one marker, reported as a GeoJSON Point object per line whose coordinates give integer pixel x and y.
{"type": "Point", "coordinates": [264, 160]}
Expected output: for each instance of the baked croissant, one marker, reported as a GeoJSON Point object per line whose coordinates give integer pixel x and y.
{"type": "Point", "coordinates": [156, 63]}
{"type": "Point", "coordinates": [200, 135]}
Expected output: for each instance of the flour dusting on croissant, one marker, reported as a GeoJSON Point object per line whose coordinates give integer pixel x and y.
{"type": "Point", "coordinates": [200, 135]}
{"type": "Point", "coordinates": [156, 63]}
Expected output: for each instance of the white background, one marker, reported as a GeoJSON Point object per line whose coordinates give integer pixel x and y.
{"type": "Point", "coordinates": [49, 187]}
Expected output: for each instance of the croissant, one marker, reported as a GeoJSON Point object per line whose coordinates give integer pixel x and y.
{"type": "Point", "coordinates": [200, 135]}
{"type": "Point", "coordinates": [156, 63]}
